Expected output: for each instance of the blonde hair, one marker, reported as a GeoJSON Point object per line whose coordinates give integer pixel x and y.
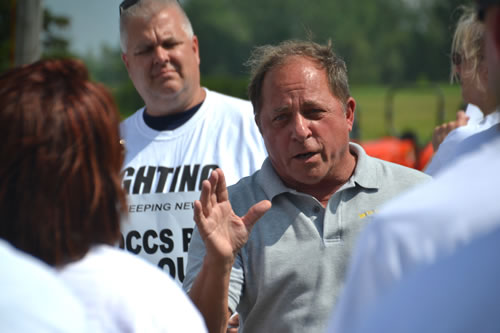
{"type": "Point", "coordinates": [467, 44]}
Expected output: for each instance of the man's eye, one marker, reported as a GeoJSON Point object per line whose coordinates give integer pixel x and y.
{"type": "Point", "coordinates": [313, 113]}
{"type": "Point", "coordinates": [143, 51]}
{"type": "Point", "coordinates": [280, 117]}
{"type": "Point", "coordinates": [170, 45]}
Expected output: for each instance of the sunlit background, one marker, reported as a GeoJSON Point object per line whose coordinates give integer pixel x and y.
{"type": "Point", "coordinates": [386, 44]}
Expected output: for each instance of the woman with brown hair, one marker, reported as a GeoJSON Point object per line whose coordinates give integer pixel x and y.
{"type": "Point", "coordinates": [61, 198]}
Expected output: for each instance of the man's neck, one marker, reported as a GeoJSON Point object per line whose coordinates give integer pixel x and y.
{"type": "Point", "coordinates": [324, 190]}
{"type": "Point", "coordinates": [175, 104]}
{"type": "Point", "coordinates": [170, 122]}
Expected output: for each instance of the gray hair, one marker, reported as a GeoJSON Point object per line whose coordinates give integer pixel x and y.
{"type": "Point", "coordinates": [146, 9]}
{"type": "Point", "coordinates": [468, 42]}
{"type": "Point", "coordinates": [265, 58]}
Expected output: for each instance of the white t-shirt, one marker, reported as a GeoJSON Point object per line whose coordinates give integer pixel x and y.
{"type": "Point", "coordinates": [167, 167]}
{"type": "Point", "coordinates": [33, 298]}
{"type": "Point", "coordinates": [123, 293]}
{"type": "Point", "coordinates": [457, 294]}
{"type": "Point", "coordinates": [418, 228]}
{"type": "Point", "coordinates": [448, 148]}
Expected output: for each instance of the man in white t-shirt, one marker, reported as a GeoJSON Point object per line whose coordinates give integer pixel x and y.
{"type": "Point", "coordinates": [182, 134]}
{"type": "Point", "coordinates": [438, 223]}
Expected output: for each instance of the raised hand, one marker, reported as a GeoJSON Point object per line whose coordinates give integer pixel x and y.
{"type": "Point", "coordinates": [441, 131]}
{"type": "Point", "coordinates": [222, 231]}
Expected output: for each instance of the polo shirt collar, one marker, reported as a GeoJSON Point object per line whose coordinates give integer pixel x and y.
{"type": "Point", "coordinates": [270, 182]}
{"type": "Point", "coordinates": [367, 171]}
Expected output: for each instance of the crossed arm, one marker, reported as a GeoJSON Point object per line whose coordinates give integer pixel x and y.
{"type": "Point", "coordinates": [224, 234]}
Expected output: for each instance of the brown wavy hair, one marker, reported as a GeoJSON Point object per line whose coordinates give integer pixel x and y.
{"type": "Point", "coordinates": [265, 58]}
{"type": "Point", "coordinates": [60, 161]}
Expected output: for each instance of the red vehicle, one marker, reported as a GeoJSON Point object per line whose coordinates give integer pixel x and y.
{"type": "Point", "coordinates": [403, 148]}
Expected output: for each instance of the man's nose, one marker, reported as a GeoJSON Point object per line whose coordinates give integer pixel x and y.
{"type": "Point", "coordinates": [301, 128]}
{"type": "Point", "coordinates": [161, 55]}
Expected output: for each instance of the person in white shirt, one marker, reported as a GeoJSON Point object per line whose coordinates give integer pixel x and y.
{"type": "Point", "coordinates": [456, 294]}
{"type": "Point", "coordinates": [469, 68]}
{"type": "Point", "coordinates": [61, 199]}
{"type": "Point", "coordinates": [33, 298]}
{"type": "Point", "coordinates": [182, 134]}
{"type": "Point", "coordinates": [396, 255]}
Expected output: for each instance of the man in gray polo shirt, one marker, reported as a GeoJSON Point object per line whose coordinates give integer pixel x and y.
{"type": "Point", "coordinates": [286, 274]}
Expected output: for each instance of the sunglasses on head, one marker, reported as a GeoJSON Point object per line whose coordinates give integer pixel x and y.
{"type": "Point", "coordinates": [456, 58]}
{"type": "Point", "coordinates": [127, 4]}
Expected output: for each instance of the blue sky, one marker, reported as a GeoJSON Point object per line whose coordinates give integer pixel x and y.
{"type": "Point", "coordinates": [93, 22]}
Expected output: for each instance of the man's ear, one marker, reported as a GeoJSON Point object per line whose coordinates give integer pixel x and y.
{"type": "Point", "coordinates": [350, 108]}
{"type": "Point", "coordinates": [257, 121]}
{"type": "Point", "coordinates": [196, 48]}
{"type": "Point", "coordinates": [125, 60]}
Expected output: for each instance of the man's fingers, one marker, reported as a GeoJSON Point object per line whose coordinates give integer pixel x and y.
{"type": "Point", "coordinates": [205, 200]}
{"type": "Point", "coordinates": [255, 212]}
{"type": "Point", "coordinates": [214, 183]}
{"type": "Point", "coordinates": [462, 118]}
{"type": "Point", "coordinates": [222, 194]}
{"type": "Point", "coordinates": [198, 213]}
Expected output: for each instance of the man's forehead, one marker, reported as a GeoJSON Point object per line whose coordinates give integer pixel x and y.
{"type": "Point", "coordinates": [166, 29]}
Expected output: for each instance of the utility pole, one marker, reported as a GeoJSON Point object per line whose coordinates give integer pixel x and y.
{"type": "Point", "coordinates": [28, 29]}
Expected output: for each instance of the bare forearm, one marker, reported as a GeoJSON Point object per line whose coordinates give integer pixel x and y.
{"type": "Point", "coordinates": [210, 294]}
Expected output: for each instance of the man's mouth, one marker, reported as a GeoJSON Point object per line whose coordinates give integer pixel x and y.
{"type": "Point", "coordinates": [305, 156]}
{"type": "Point", "coordinates": [163, 73]}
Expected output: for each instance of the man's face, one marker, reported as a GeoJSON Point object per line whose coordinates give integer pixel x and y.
{"type": "Point", "coordinates": [161, 59]}
{"type": "Point", "coordinates": [303, 124]}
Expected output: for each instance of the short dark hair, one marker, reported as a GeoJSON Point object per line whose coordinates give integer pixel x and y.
{"type": "Point", "coordinates": [265, 58]}
{"type": "Point", "coordinates": [60, 188]}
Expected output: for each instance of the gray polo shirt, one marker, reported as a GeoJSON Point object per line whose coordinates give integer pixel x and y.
{"type": "Point", "coordinates": [289, 274]}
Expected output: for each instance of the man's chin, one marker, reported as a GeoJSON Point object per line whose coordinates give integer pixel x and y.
{"type": "Point", "coordinates": [167, 91]}
{"type": "Point", "coordinates": [305, 179]}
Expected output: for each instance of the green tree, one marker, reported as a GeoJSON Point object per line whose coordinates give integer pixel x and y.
{"type": "Point", "coordinates": [54, 44]}
{"type": "Point", "coordinates": [382, 41]}
{"type": "Point", "coordinates": [108, 68]}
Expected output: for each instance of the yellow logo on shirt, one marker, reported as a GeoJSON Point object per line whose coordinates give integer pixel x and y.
{"type": "Point", "coordinates": [365, 214]}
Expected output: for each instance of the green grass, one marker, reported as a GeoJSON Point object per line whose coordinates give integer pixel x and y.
{"type": "Point", "coordinates": [414, 108]}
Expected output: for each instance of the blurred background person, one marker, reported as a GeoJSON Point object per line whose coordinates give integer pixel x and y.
{"type": "Point", "coordinates": [469, 68]}
{"type": "Point", "coordinates": [61, 198]}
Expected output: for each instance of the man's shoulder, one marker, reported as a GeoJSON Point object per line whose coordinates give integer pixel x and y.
{"type": "Point", "coordinates": [246, 192]}
{"type": "Point", "coordinates": [378, 173]}
{"type": "Point", "coordinates": [129, 122]}
{"type": "Point", "coordinates": [399, 173]}
{"type": "Point", "coordinates": [248, 183]}
{"type": "Point", "coordinates": [227, 103]}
